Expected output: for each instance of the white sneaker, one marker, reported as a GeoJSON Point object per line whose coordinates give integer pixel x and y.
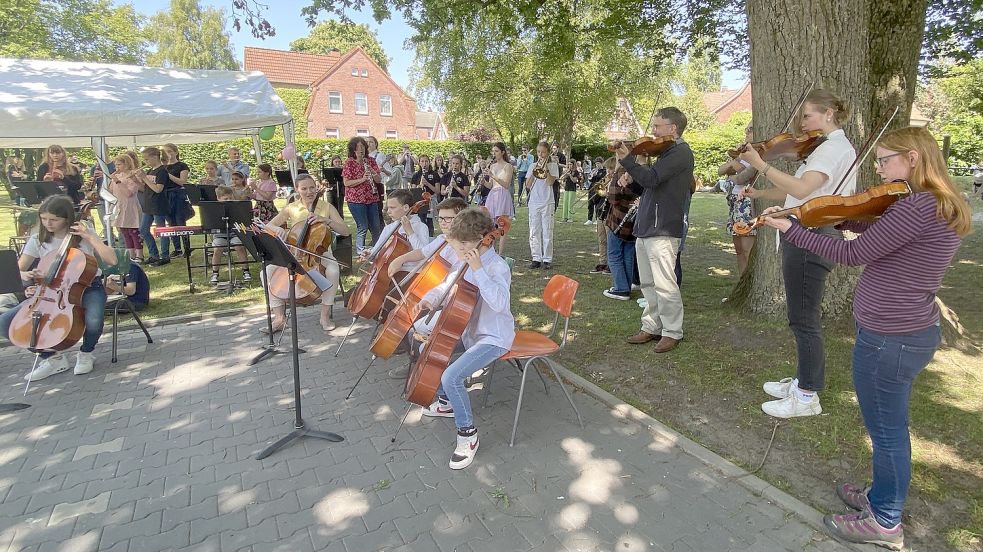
{"type": "Point", "coordinates": [464, 452]}
{"type": "Point", "coordinates": [439, 409]}
{"type": "Point", "coordinates": [48, 367]}
{"type": "Point", "coordinates": [214, 279]}
{"type": "Point", "coordinates": [246, 276]}
{"type": "Point", "coordinates": [588, 223]}
{"type": "Point", "coordinates": [636, 287]}
{"type": "Point", "coordinates": [83, 363]}
{"type": "Point", "coordinates": [792, 407]}
{"type": "Point", "coordinates": [780, 389]}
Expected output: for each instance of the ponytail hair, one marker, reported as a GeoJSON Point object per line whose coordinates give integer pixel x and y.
{"type": "Point", "coordinates": [824, 99]}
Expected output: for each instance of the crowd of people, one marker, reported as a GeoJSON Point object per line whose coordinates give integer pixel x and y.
{"type": "Point", "coordinates": [640, 207]}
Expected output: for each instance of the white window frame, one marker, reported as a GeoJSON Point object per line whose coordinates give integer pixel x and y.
{"type": "Point", "coordinates": [392, 135]}
{"type": "Point", "coordinates": [341, 103]}
{"type": "Point", "coordinates": [365, 73]}
{"type": "Point", "coordinates": [363, 132]}
{"type": "Point", "coordinates": [382, 111]}
{"type": "Point", "coordinates": [429, 134]}
{"type": "Point", "coordinates": [354, 71]}
{"type": "Point", "coordinates": [331, 133]}
{"type": "Point", "coordinates": [365, 96]}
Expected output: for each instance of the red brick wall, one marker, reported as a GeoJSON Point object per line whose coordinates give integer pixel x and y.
{"type": "Point", "coordinates": [377, 84]}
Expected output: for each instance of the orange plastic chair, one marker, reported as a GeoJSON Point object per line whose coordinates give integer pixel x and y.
{"type": "Point", "coordinates": [529, 346]}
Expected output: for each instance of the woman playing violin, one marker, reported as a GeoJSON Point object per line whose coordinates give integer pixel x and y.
{"type": "Point", "coordinates": [57, 214]}
{"type": "Point", "coordinates": [297, 212]}
{"type": "Point", "coordinates": [905, 255]}
{"type": "Point", "coordinates": [805, 272]}
{"type": "Point", "coordinates": [489, 333]}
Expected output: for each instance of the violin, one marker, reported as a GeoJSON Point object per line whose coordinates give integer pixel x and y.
{"type": "Point", "coordinates": [866, 206]}
{"type": "Point", "coordinates": [369, 296]}
{"type": "Point", "coordinates": [53, 319]}
{"type": "Point", "coordinates": [459, 303]}
{"type": "Point", "coordinates": [651, 146]}
{"type": "Point", "coordinates": [785, 146]}
{"type": "Point", "coordinates": [313, 240]}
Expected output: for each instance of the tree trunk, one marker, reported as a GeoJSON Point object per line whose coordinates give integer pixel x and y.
{"type": "Point", "coordinates": [794, 43]}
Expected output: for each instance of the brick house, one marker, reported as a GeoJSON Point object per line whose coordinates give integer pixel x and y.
{"type": "Point", "coordinates": [624, 124]}
{"type": "Point", "coordinates": [350, 95]}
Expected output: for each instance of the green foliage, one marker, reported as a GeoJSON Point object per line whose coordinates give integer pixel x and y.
{"type": "Point", "coordinates": [343, 37]}
{"type": "Point", "coordinates": [954, 102]}
{"type": "Point", "coordinates": [190, 37]}
{"type": "Point", "coordinates": [296, 101]}
{"type": "Point", "coordinates": [710, 146]}
{"type": "Point", "coordinates": [75, 30]}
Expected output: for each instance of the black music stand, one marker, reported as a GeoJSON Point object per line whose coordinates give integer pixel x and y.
{"type": "Point", "coordinates": [200, 192]}
{"type": "Point", "coordinates": [276, 253]}
{"type": "Point", "coordinates": [34, 191]}
{"type": "Point", "coordinates": [10, 283]}
{"type": "Point", "coordinates": [332, 176]}
{"type": "Point", "coordinates": [272, 348]}
{"type": "Point", "coordinates": [221, 217]}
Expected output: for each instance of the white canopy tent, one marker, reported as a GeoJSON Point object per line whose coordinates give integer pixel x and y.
{"type": "Point", "coordinates": [89, 104]}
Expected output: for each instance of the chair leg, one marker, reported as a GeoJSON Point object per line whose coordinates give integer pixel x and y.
{"type": "Point", "coordinates": [487, 384]}
{"type": "Point", "coordinates": [518, 406]}
{"type": "Point", "coordinates": [546, 388]}
{"type": "Point", "coordinates": [136, 317]}
{"type": "Point", "coordinates": [115, 328]}
{"type": "Point", "coordinates": [549, 363]}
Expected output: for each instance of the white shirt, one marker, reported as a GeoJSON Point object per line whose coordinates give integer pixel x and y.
{"type": "Point", "coordinates": [34, 248]}
{"type": "Point", "coordinates": [832, 158]}
{"type": "Point", "coordinates": [447, 253]}
{"type": "Point", "coordinates": [380, 159]}
{"type": "Point", "coordinates": [418, 239]}
{"type": "Point", "coordinates": [539, 192]}
{"type": "Point", "coordinates": [492, 322]}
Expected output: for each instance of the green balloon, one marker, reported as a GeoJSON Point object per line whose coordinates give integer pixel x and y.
{"type": "Point", "coordinates": [266, 133]}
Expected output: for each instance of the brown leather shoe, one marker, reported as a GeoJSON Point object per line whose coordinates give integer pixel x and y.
{"type": "Point", "coordinates": [666, 344]}
{"type": "Point", "coordinates": [642, 337]}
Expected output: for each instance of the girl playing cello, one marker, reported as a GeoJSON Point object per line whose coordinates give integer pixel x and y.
{"type": "Point", "coordinates": [905, 254]}
{"type": "Point", "coordinates": [489, 333]}
{"type": "Point", "coordinates": [805, 271]}
{"type": "Point", "coordinates": [57, 214]}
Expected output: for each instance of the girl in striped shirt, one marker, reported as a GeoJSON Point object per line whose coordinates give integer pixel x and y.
{"type": "Point", "coordinates": [905, 255]}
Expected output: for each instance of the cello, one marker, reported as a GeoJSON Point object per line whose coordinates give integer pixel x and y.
{"type": "Point", "coordinates": [459, 303]}
{"type": "Point", "coordinates": [308, 238]}
{"type": "Point", "coordinates": [53, 319]}
{"type": "Point", "coordinates": [369, 296]}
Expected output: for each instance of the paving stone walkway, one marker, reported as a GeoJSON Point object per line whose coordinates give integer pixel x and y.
{"type": "Point", "coordinates": [157, 452]}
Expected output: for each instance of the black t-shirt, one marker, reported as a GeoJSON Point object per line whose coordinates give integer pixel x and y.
{"type": "Point", "coordinates": [154, 203]}
{"type": "Point", "coordinates": [461, 180]}
{"type": "Point", "coordinates": [142, 294]}
{"type": "Point", "coordinates": [175, 169]}
{"type": "Point", "coordinates": [569, 184]}
{"type": "Point", "coordinates": [430, 178]}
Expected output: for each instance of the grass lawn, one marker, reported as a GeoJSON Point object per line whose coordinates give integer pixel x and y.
{"type": "Point", "coordinates": [710, 387]}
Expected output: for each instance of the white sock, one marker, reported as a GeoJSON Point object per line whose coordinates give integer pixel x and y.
{"type": "Point", "coordinates": [803, 395]}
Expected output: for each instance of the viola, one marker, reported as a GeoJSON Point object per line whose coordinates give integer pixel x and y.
{"type": "Point", "coordinates": [308, 238]}
{"type": "Point", "coordinates": [53, 319]}
{"type": "Point", "coordinates": [827, 210]}
{"type": "Point", "coordinates": [459, 303]}
{"type": "Point", "coordinates": [369, 296]}
{"type": "Point", "coordinates": [651, 146]}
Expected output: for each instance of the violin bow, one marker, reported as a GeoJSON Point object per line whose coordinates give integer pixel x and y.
{"type": "Point", "coordinates": [798, 105]}
{"type": "Point", "coordinates": [867, 148]}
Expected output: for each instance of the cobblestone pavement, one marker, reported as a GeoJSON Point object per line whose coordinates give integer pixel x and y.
{"type": "Point", "coordinates": [157, 452]}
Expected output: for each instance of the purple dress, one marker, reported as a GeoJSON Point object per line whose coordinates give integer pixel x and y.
{"type": "Point", "coordinates": [499, 202]}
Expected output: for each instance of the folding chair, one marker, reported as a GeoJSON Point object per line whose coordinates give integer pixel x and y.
{"type": "Point", "coordinates": [530, 346]}
{"type": "Point", "coordinates": [119, 302]}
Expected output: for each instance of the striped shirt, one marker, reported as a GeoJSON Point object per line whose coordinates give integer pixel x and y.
{"type": "Point", "coordinates": [905, 255]}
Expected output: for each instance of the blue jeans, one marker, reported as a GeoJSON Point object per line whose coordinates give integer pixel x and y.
{"type": "Point", "coordinates": [621, 261]}
{"type": "Point", "coordinates": [94, 303]}
{"type": "Point", "coordinates": [176, 199]}
{"type": "Point", "coordinates": [452, 380]}
{"type": "Point", "coordinates": [366, 217]}
{"type": "Point", "coordinates": [148, 237]}
{"type": "Point", "coordinates": [884, 369]}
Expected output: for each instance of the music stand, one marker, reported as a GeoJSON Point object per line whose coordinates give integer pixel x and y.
{"type": "Point", "coordinates": [200, 192]}
{"type": "Point", "coordinates": [276, 253]}
{"type": "Point", "coordinates": [221, 217]}
{"type": "Point", "coordinates": [10, 283]}
{"type": "Point", "coordinates": [272, 348]}
{"type": "Point", "coordinates": [34, 191]}
{"type": "Point", "coordinates": [332, 176]}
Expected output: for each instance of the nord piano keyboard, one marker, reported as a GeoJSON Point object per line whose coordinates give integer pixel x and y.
{"type": "Point", "coordinates": [176, 231]}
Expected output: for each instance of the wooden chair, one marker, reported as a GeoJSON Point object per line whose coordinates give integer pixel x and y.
{"type": "Point", "coordinates": [530, 346]}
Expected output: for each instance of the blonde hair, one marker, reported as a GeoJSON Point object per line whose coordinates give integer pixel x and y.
{"type": "Point", "coordinates": [166, 156]}
{"type": "Point", "coordinates": [824, 99]}
{"type": "Point", "coordinates": [133, 157]}
{"type": "Point", "coordinates": [224, 191]}
{"type": "Point", "coordinates": [70, 169]}
{"type": "Point", "coordinates": [931, 175]}
{"type": "Point", "coordinates": [470, 225]}
{"type": "Point", "coordinates": [124, 159]}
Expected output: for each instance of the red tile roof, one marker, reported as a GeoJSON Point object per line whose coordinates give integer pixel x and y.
{"type": "Point", "coordinates": [294, 68]}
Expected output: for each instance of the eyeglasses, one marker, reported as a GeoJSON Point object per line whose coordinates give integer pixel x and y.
{"type": "Point", "coordinates": [880, 161]}
{"type": "Point", "coordinates": [448, 220]}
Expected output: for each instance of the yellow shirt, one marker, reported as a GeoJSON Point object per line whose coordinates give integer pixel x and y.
{"type": "Point", "coordinates": [297, 212]}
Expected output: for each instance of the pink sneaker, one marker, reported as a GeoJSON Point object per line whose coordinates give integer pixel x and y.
{"type": "Point", "coordinates": [861, 527]}
{"type": "Point", "coordinates": [853, 496]}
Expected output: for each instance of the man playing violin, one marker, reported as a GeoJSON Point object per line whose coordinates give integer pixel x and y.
{"type": "Point", "coordinates": [297, 212]}
{"type": "Point", "coordinates": [805, 272]}
{"type": "Point", "coordinates": [659, 226]}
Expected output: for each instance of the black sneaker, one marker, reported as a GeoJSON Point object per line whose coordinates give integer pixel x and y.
{"type": "Point", "coordinates": [152, 261]}
{"type": "Point", "coordinates": [619, 295]}
{"type": "Point", "coordinates": [178, 252]}
{"type": "Point", "coordinates": [598, 269]}
{"type": "Point", "coordinates": [162, 262]}
{"type": "Point", "coordinates": [547, 266]}
{"type": "Point", "coordinates": [535, 264]}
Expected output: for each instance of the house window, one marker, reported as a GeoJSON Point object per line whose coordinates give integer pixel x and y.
{"type": "Point", "coordinates": [334, 102]}
{"type": "Point", "coordinates": [392, 135]}
{"type": "Point", "coordinates": [361, 103]}
{"type": "Point", "coordinates": [365, 72]}
{"type": "Point", "coordinates": [386, 105]}
{"type": "Point", "coordinates": [331, 133]}
{"type": "Point", "coordinates": [363, 132]}
{"type": "Point", "coordinates": [429, 134]}
{"type": "Point", "coordinates": [354, 71]}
